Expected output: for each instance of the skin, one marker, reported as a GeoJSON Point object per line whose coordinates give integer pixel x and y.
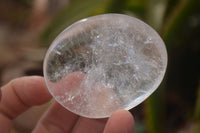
{"type": "Point", "coordinates": [22, 93]}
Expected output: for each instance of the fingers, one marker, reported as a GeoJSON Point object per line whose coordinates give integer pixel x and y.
{"type": "Point", "coordinates": [56, 120]}
{"type": "Point", "coordinates": [120, 122]}
{"type": "Point", "coordinates": [19, 94]}
{"type": "Point", "coordinates": [60, 120]}
{"type": "Point", "coordinates": [86, 125]}
{"type": "Point", "coordinates": [5, 124]}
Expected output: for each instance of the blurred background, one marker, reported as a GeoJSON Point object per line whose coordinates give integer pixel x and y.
{"type": "Point", "coordinates": [27, 28]}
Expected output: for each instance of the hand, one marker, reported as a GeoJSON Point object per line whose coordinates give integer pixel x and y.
{"type": "Point", "coordinates": [22, 93]}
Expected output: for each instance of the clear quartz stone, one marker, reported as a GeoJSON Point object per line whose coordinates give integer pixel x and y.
{"type": "Point", "coordinates": [104, 63]}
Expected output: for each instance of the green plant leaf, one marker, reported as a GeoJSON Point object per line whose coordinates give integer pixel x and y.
{"type": "Point", "coordinates": [155, 13]}
{"type": "Point", "coordinates": [174, 22]}
{"type": "Point", "coordinates": [154, 110]}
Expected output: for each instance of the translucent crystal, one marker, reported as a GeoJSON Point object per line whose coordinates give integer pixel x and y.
{"type": "Point", "coordinates": [104, 63]}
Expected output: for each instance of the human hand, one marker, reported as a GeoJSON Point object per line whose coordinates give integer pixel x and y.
{"type": "Point", "coordinates": [22, 93]}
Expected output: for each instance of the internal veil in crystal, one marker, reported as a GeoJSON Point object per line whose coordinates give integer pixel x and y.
{"type": "Point", "coordinates": [104, 63]}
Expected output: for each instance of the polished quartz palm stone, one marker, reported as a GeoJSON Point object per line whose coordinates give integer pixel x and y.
{"type": "Point", "coordinates": [104, 63]}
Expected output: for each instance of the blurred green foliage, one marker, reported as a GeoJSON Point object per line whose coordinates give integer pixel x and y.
{"type": "Point", "coordinates": [74, 11]}
{"type": "Point", "coordinates": [173, 105]}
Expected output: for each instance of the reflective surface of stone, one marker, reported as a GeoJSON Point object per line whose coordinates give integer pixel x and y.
{"type": "Point", "coordinates": [104, 63]}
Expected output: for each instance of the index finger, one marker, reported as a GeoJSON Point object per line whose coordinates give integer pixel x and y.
{"type": "Point", "coordinates": [22, 93]}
